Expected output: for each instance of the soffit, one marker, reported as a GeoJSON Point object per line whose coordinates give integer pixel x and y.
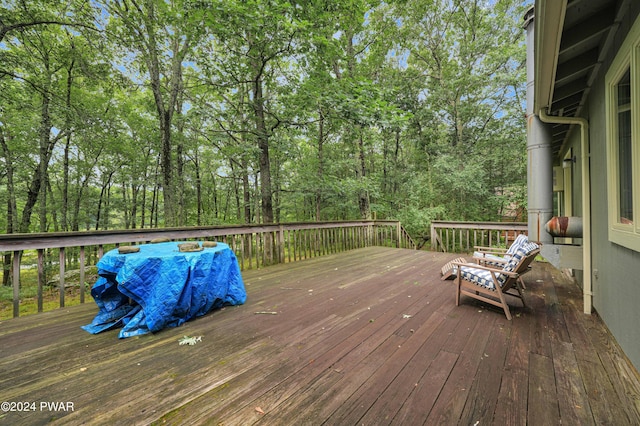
{"type": "Point", "coordinates": [572, 40]}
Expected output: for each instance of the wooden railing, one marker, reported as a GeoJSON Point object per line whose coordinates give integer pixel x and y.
{"type": "Point", "coordinates": [463, 236]}
{"type": "Point", "coordinates": [255, 246]}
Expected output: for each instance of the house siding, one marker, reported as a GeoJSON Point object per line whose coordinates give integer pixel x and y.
{"type": "Point", "coordinates": [616, 269]}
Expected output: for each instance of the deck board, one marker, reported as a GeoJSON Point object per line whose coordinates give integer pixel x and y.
{"type": "Point", "coordinates": [367, 337]}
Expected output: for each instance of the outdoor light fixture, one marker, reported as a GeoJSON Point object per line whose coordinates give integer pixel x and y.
{"type": "Point", "coordinates": [568, 162]}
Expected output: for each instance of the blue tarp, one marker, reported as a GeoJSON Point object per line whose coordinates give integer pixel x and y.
{"type": "Point", "coordinates": [167, 287]}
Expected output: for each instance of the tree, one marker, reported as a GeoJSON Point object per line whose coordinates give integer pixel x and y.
{"type": "Point", "coordinates": [160, 37]}
{"type": "Point", "coordinates": [258, 37]}
{"type": "Point", "coordinates": [255, 111]}
{"type": "Point", "coordinates": [467, 62]}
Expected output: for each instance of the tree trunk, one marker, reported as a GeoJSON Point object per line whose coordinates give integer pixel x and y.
{"type": "Point", "coordinates": [75, 226]}
{"type": "Point", "coordinates": [37, 191]}
{"type": "Point", "coordinates": [65, 163]}
{"type": "Point", "coordinates": [263, 146]}
{"type": "Point", "coordinates": [11, 206]}
{"type": "Point", "coordinates": [54, 211]}
{"type": "Point", "coordinates": [214, 187]}
{"type": "Point", "coordinates": [246, 190]}
{"type": "Point", "coordinates": [12, 212]}
{"type": "Point", "coordinates": [125, 208]}
{"type": "Point", "coordinates": [153, 215]}
{"type": "Point", "coordinates": [105, 188]}
{"type": "Point", "coordinates": [256, 185]}
{"type": "Point", "coordinates": [165, 111]}
{"type": "Point", "coordinates": [363, 198]}
{"type": "Point", "coordinates": [196, 162]}
{"type": "Point", "coordinates": [320, 167]}
{"type": "Point", "coordinates": [396, 154]}
{"type": "Point", "coordinates": [65, 185]}
{"type": "Point", "coordinates": [46, 149]}
{"type": "Point", "coordinates": [236, 188]}
{"type": "Point", "coordinates": [181, 211]}
{"type": "Point", "coordinates": [143, 207]}
{"type": "Point", "coordinates": [135, 189]}
{"type": "Point", "coordinates": [170, 218]}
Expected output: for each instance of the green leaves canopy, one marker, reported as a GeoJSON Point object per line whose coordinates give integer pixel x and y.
{"type": "Point", "coordinates": [112, 111]}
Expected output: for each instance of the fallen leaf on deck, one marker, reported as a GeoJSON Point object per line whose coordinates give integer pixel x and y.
{"type": "Point", "coordinates": [259, 410]}
{"type": "Point", "coordinates": [186, 340]}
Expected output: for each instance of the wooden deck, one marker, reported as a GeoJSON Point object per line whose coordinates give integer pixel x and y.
{"type": "Point", "coordinates": [367, 337]}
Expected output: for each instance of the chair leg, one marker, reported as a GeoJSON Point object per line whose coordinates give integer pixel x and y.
{"type": "Point", "coordinates": [521, 293]}
{"type": "Point", "coordinates": [503, 302]}
{"type": "Point", "coordinates": [506, 311]}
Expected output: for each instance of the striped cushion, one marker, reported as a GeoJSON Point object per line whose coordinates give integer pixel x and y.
{"type": "Point", "coordinates": [529, 247]}
{"type": "Point", "coordinates": [483, 277]}
{"type": "Point", "coordinates": [519, 241]}
{"type": "Point", "coordinates": [478, 276]}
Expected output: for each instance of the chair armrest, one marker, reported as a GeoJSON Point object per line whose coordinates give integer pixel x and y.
{"type": "Point", "coordinates": [481, 260]}
{"type": "Point", "coordinates": [477, 266]}
{"type": "Point", "coordinates": [490, 250]}
{"type": "Point", "coordinates": [510, 274]}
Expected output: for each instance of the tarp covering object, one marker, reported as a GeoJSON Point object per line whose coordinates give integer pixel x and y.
{"type": "Point", "coordinates": [167, 287]}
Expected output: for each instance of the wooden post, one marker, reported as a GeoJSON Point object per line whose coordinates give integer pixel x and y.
{"type": "Point", "coordinates": [434, 238]}
{"type": "Point", "coordinates": [281, 244]}
{"type": "Point", "coordinates": [81, 274]}
{"type": "Point", "coordinates": [41, 278]}
{"type": "Point", "coordinates": [249, 243]}
{"type": "Point", "coordinates": [16, 283]}
{"type": "Point", "coordinates": [61, 286]}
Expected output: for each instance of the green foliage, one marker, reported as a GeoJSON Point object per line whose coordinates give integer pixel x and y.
{"type": "Point", "coordinates": [409, 109]}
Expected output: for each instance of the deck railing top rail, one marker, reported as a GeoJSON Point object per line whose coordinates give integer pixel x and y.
{"type": "Point", "coordinates": [518, 226]}
{"type": "Point", "coordinates": [34, 241]}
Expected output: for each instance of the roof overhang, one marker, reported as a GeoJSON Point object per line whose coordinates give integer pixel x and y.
{"type": "Point", "coordinates": [572, 38]}
{"type": "Point", "coordinates": [549, 20]}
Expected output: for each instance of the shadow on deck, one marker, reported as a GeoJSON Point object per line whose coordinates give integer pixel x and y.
{"type": "Point", "coordinates": [367, 337]}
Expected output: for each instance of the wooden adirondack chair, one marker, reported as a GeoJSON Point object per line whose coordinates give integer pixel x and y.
{"type": "Point", "coordinates": [490, 284]}
{"type": "Point", "coordinates": [498, 257]}
{"type": "Point", "coordinates": [500, 253]}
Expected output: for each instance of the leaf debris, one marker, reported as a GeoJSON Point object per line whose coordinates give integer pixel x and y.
{"type": "Point", "coordinates": [187, 340]}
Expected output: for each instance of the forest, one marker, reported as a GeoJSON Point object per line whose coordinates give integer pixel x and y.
{"type": "Point", "coordinates": [123, 114]}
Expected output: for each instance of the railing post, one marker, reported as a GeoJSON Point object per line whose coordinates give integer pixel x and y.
{"type": "Point", "coordinates": [41, 279]}
{"type": "Point", "coordinates": [281, 244]}
{"type": "Point", "coordinates": [62, 261]}
{"type": "Point", "coordinates": [16, 283]}
{"type": "Point", "coordinates": [434, 241]}
{"type": "Point", "coordinates": [82, 277]}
